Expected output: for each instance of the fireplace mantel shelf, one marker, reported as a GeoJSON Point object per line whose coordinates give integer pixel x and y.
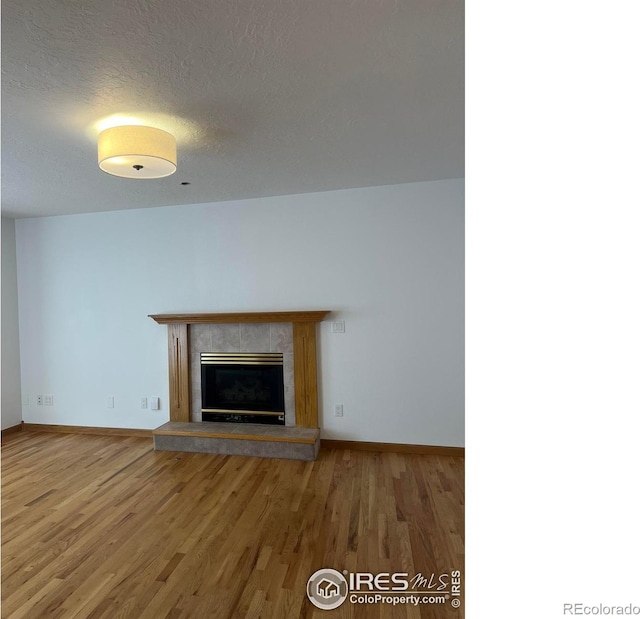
{"type": "Point", "coordinates": [232, 317]}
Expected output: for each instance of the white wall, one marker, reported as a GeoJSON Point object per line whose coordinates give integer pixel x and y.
{"type": "Point", "coordinates": [388, 261]}
{"type": "Point", "coordinates": [11, 395]}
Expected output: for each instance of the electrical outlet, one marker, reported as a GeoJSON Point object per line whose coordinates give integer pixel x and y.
{"type": "Point", "coordinates": [337, 327]}
{"type": "Point", "coordinates": [143, 403]}
{"type": "Point", "coordinates": [48, 400]}
{"type": "Point", "coordinates": [337, 411]}
{"type": "Point", "coordinates": [110, 401]}
{"type": "Point", "coordinates": [39, 400]}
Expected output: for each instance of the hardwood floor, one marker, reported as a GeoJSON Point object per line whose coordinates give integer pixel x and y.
{"type": "Point", "coordinates": [105, 527]}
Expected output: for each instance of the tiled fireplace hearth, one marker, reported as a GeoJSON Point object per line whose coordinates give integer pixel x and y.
{"type": "Point", "coordinates": [291, 333]}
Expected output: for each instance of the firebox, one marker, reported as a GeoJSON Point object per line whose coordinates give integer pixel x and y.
{"type": "Point", "coordinates": [242, 387]}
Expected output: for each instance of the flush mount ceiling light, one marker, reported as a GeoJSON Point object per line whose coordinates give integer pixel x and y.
{"type": "Point", "coordinates": [134, 151]}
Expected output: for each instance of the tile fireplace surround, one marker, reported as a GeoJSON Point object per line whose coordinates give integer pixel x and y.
{"type": "Point", "coordinates": [292, 333]}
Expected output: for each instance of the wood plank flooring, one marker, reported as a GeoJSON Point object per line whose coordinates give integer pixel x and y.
{"type": "Point", "coordinates": [106, 527]}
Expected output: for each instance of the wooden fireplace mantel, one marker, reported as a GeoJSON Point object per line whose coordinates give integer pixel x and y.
{"type": "Point", "coordinates": [302, 316]}
{"type": "Point", "coordinates": [305, 372]}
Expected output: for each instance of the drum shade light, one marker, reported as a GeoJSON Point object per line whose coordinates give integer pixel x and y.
{"type": "Point", "coordinates": [135, 151]}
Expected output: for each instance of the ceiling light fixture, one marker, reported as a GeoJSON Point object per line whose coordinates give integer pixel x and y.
{"type": "Point", "coordinates": [133, 151]}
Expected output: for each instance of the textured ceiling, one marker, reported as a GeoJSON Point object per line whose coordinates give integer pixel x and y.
{"type": "Point", "coordinates": [265, 97]}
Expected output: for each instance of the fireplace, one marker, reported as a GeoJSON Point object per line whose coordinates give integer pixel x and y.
{"type": "Point", "coordinates": [186, 343]}
{"type": "Point", "coordinates": [242, 387]}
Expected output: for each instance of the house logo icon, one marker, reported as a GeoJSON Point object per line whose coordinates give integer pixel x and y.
{"type": "Point", "coordinates": [327, 589]}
